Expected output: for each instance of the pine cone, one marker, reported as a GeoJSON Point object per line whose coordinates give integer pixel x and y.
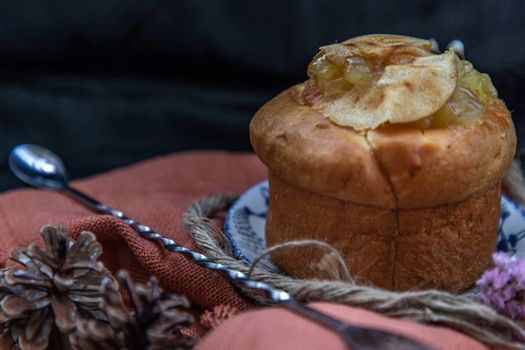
{"type": "Point", "coordinates": [154, 323]}
{"type": "Point", "coordinates": [39, 305]}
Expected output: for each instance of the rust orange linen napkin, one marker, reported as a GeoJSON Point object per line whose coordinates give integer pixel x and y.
{"type": "Point", "coordinates": [280, 329]}
{"type": "Point", "coordinates": [157, 192]}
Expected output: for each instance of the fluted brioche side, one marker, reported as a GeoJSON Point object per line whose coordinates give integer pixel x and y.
{"type": "Point", "coordinates": [446, 247]}
{"type": "Point", "coordinates": [364, 235]}
{"type": "Point", "coordinates": [387, 167]}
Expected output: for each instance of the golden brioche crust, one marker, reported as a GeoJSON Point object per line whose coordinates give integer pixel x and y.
{"type": "Point", "coordinates": [433, 167]}
{"type": "Point", "coordinates": [387, 167]}
{"type": "Point", "coordinates": [445, 247]}
{"type": "Point", "coordinates": [305, 148]}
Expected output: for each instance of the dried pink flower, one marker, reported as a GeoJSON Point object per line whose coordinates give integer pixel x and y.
{"type": "Point", "coordinates": [503, 287]}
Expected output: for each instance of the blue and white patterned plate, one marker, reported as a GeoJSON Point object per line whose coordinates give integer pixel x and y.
{"type": "Point", "coordinates": [244, 226]}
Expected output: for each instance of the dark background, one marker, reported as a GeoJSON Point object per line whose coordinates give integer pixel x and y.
{"type": "Point", "coordinates": [107, 83]}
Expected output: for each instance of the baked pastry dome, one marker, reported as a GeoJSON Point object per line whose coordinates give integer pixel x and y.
{"type": "Point", "coordinates": [394, 155]}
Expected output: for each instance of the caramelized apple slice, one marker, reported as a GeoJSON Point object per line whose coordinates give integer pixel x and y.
{"type": "Point", "coordinates": [404, 93]}
{"type": "Point", "coordinates": [373, 80]}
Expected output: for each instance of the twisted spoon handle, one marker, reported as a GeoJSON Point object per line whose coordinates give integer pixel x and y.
{"type": "Point", "coordinates": [275, 295]}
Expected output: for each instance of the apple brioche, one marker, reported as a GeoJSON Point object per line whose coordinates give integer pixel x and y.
{"type": "Point", "coordinates": [394, 155]}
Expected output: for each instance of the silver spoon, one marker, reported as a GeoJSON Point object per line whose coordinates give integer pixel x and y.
{"type": "Point", "coordinates": [39, 167]}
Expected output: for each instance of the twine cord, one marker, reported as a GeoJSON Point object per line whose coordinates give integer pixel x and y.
{"type": "Point", "coordinates": [463, 312]}
{"type": "Point", "coordinates": [330, 254]}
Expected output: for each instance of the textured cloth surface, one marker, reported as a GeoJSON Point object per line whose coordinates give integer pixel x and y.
{"type": "Point", "coordinates": [157, 193]}
{"type": "Point", "coordinates": [280, 329]}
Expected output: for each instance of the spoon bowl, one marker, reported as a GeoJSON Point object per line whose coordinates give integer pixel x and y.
{"type": "Point", "coordinates": [38, 166]}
